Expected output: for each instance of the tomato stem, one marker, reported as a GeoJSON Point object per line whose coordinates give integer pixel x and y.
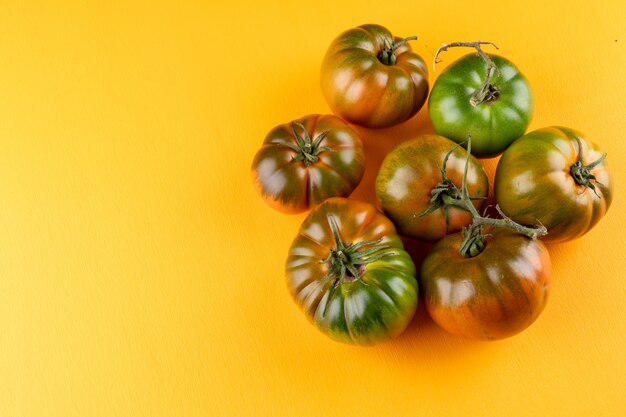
{"type": "Point", "coordinates": [307, 150]}
{"type": "Point", "coordinates": [348, 257]}
{"type": "Point", "coordinates": [388, 55]}
{"type": "Point", "coordinates": [582, 173]}
{"type": "Point", "coordinates": [474, 240]}
{"type": "Point", "coordinates": [443, 193]}
{"type": "Point", "coordinates": [346, 260]}
{"type": "Point", "coordinates": [487, 93]}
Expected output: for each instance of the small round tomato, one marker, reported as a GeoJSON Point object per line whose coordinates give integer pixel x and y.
{"type": "Point", "coordinates": [493, 295]}
{"type": "Point", "coordinates": [349, 273]}
{"type": "Point", "coordinates": [304, 162]}
{"type": "Point", "coordinates": [373, 79]}
{"type": "Point", "coordinates": [556, 177]}
{"type": "Point", "coordinates": [410, 183]}
{"type": "Point", "coordinates": [494, 123]}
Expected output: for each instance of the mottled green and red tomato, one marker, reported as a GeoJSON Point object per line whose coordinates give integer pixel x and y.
{"type": "Point", "coordinates": [373, 79]}
{"type": "Point", "coordinates": [493, 295]}
{"type": "Point", "coordinates": [302, 163]}
{"type": "Point", "coordinates": [348, 272]}
{"type": "Point", "coordinates": [409, 178]}
{"type": "Point", "coordinates": [557, 177]}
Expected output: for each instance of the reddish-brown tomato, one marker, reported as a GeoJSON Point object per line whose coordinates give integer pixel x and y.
{"type": "Point", "coordinates": [373, 79]}
{"type": "Point", "coordinates": [304, 162]}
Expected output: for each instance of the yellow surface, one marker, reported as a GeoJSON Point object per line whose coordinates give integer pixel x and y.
{"type": "Point", "coordinates": [141, 275]}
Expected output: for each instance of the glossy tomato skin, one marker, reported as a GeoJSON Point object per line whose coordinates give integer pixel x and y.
{"type": "Point", "coordinates": [372, 309]}
{"type": "Point", "coordinates": [494, 295]}
{"type": "Point", "coordinates": [408, 174]}
{"type": "Point", "coordinates": [494, 126]}
{"type": "Point", "coordinates": [289, 185]}
{"type": "Point", "coordinates": [533, 183]}
{"type": "Point", "coordinates": [361, 89]}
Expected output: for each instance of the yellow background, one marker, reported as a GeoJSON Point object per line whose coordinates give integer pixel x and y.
{"type": "Point", "coordinates": [141, 275]}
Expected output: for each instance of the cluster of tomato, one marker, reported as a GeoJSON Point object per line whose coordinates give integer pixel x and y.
{"type": "Point", "coordinates": [485, 278]}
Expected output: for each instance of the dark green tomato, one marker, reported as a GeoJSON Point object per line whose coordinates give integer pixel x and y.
{"type": "Point", "coordinates": [494, 124]}
{"type": "Point", "coordinates": [360, 289]}
{"type": "Point", "coordinates": [556, 177]}
{"type": "Point", "coordinates": [493, 295]}
{"type": "Point", "coordinates": [304, 162]}
{"type": "Point", "coordinates": [366, 82]}
{"type": "Point", "coordinates": [410, 173]}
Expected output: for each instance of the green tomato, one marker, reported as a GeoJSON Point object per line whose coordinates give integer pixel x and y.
{"type": "Point", "coordinates": [349, 273]}
{"type": "Point", "coordinates": [493, 124]}
{"type": "Point", "coordinates": [556, 177]}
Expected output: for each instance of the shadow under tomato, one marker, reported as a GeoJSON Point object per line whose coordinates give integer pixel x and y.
{"type": "Point", "coordinates": [490, 165]}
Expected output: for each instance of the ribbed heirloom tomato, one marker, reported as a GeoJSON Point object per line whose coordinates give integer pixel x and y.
{"type": "Point", "coordinates": [373, 79]}
{"type": "Point", "coordinates": [418, 177]}
{"type": "Point", "coordinates": [304, 162]}
{"type": "Point", "coordinates": [349, 273]}
{"type": "Point", "coordinates": [496, 110]}
{"type": "Point", "coordinates": [556, 177]}
{"type": "Point", "coordinates": [495, 294]}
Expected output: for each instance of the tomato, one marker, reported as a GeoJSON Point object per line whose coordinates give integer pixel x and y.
{"type": "Point", "coordinates": [373, 79]}
{"type": "Point", "coordinates": [349, 273]}
{"type": "Point", "coordinates": [493, 295]}
{"type": "Point", "coordinates": [409, 182]}
{"type": "Point", "coordinates": [494, 123]}
{"type": "Point", "coordinates": [556, 177]}
{"type": "Point", "coordinates": [304, 162]}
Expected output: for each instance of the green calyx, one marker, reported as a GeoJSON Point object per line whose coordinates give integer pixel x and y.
{"type": "Point", "coordinates": [307, 150]}
{"type": "Point", "coordinates": [487, 93]}
{"type": "Point", "coordinates": [445, 194]}
{"type": "Point", "coordinates": [473, 242]}
{"type": "Point", "coordinates": [346, 261]}
{"type": "Point", "coordinates": [388, 55]}
{"type": "Point", "coordinates": [582, 173]}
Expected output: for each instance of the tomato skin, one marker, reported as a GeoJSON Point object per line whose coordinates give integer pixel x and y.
{"type": "Point", "coordinates": [494, 126]}
{"type": "Point", "coordinates": [533, 183]}
{"type": "Point", "coordinates": [372, 309]}
{"type": "Point", "coordinates": [361, 89]}
{"type": "Point", "coordinates": [494, 295]}
{"type": "Point", "coordinates": [291, 186]}
{"type": "Point", "coordinates": [408, 174]}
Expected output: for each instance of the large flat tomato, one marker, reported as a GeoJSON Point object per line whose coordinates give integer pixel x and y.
{"type": "Point", "coordinates": [493, 295]}
{"type": "Point", "coordinates": [497, 119]}
{"type": "Point", "coordinates": [371, 78]}
{"type": "Point", "coordinates": [349, 273]}
{"type": "Point", "coordinates": [304, 162]}
{"type": "Point", "coordinates": [556, 177]}
{"type": "Point", "coordinates": [410, 183]}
